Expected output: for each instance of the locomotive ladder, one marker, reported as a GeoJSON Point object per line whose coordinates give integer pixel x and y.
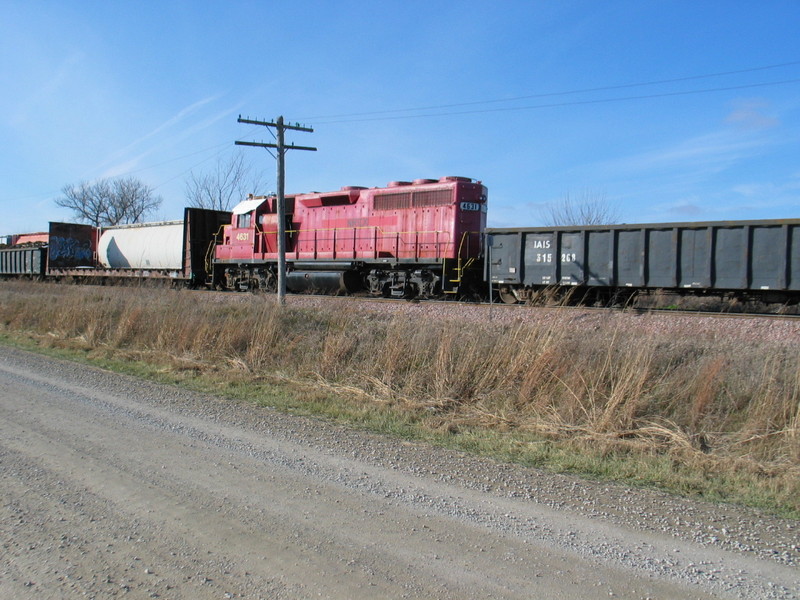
{"type": "Point", "coordinates": [209, 257]}
{"type": "Point", "coordinates": [461, 266]}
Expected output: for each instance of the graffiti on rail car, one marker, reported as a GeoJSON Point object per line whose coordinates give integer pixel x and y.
{"type": "Point", "coordinates": [71, 245]}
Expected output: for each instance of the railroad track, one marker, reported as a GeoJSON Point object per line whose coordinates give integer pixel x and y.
{"type": "Point", "coordinates": [499, 306]}
{"type": "Point", "coordinates": [717, 314]}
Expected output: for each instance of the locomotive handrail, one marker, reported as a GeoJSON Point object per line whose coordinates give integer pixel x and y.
{"type": "Point", "coordinates": [377, 227]}
{"type": "Point", "coordinates": [209, 257]}
{"type": "Point", "coordinates": [379, 233]}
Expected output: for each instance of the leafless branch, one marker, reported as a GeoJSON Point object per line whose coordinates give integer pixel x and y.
{"type": "Point", "coordinates": [229, 182]}
{"type": "Point", "coordinates": [590, 208]}
{"type": "Point", "coordinates": [109, 202]}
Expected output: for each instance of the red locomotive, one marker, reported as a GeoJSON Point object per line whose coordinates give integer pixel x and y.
{"type": "Point", "coordinates": [409, 239]}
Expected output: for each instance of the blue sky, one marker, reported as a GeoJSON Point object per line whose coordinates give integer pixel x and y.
{"type": "Point", "coordinates": [670, 110]}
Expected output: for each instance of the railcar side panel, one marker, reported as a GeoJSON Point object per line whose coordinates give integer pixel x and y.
{"type": "Point", "coordinates": [661, 262]}
{"type": "Point", "coordinates": [504, 259]}
{"type": "Point", "coordinates": [769, 257]}
{"type": "Point", "coordinates": [730, 264]}
{"type": "Point", "coordinates": [629, 262]}
{"type": "Point", "coordinates": [72, 246]}
{"type": "Point", "coordinates": [695, 258]}
{"type": "Point", "coordinates": [539, 264]}
{"type": "Point", "coordinates": [599, 270]}
{"type": "Point", "coordinates": [571, 258]}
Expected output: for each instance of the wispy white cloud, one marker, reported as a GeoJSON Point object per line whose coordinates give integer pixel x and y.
{"type": "Point", "coordinates": [50, 85]}
{"type": "Point", "coordinates": [742, 201]}
{"type": "Point", "coordinates": [767, 189]}
{"type": "Point", "coordinates": [712, 151]}
{"type": "Point", "coordinates": [750, 130]}
{"type": "Point", "coordinates": [752, 114]}
{"type": "Point", "coordinates": [757, 196]}
{"type": "Point", "coordinates": [123, 168]}
{"type": "Point", "coordinates": [131, 163]}
{"type": "Point", "coordinates": [683, 209]}
{"type": "Point", "coordinates": [209, 121]}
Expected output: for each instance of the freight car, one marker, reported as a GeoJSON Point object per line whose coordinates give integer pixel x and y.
{"type": "Point", "coordinates": [409, 239]}
{"type": "Point", "coordinates": [23, 255]}
{"type": "Point", "coordinates": [23, 261]}
{"type": "Point", "coordinates": [174, 251]}
{"type": "Point", "coordinates": [743, 259]}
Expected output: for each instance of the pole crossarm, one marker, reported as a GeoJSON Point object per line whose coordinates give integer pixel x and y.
{"type": "Point", "coordinates": [265, 145]}
{"type": "Point", "coordinates": [293, 147]}
{"type": "Point", "coordinates": [257, 144]}
{"type": "Point", "coordinates": [295, 127]}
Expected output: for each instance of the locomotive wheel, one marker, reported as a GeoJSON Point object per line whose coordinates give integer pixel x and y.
{"type": "Point", "coordinates": [270, 283]}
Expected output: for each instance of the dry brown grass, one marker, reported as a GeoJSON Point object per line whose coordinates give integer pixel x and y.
{"type": "Point", "coordinates": [710, 405]}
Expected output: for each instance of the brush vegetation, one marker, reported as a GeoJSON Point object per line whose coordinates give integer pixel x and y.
{"type": "Point", "coordinates": [693, 415]}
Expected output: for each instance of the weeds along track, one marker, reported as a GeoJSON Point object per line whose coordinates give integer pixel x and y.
{"type": "Point", "coordinates": [496, 308]}
{"type": "Point", "coordinates": [710, 404]}
{"type": "Point", "coordinates": [769, 328]}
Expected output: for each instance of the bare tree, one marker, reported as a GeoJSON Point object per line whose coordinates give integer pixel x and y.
{"type": "Point", "coordinates": [590, 208]}
{"type": "Point", "coordinates": [89, 202]}
{"type": "Point", "coordinates": [229, 182]}
{"type": "Point", "coordinates": [109, 202]}
{"type": "Point", "coordinates": [131, 201]}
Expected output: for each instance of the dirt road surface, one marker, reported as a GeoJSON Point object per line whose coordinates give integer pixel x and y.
{"type": "Point", "coordinates": [114, 487]}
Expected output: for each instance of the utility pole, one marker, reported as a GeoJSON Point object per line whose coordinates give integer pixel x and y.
{"type": "Point", "coordinates": [281, 152]}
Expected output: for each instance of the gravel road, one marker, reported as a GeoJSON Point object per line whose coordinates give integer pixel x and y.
{"type": "Point", "coordinates": [115, 487]}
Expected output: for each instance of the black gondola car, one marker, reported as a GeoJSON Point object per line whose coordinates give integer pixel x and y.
{"type": "Point", "coordinates": [751, 259]}
{"type": "Point", "coordinates": [23, 262]}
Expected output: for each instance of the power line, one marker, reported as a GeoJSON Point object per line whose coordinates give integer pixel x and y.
{"type": "Point", "coordinates": [561, 104]}
{"type": "Point", "coordinates": [190, 169]}
{"type": "Point", "coordinates": [324, 119]}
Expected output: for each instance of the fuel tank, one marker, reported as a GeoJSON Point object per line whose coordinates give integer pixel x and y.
{"type": "Point", "coordinates": [329, 282]}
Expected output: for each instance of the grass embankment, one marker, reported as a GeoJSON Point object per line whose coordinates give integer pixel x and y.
{"type": "Point", "coordinates": [714, 418]}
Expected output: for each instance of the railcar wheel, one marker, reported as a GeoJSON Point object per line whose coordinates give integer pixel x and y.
{"type": "Point", "coordinates": [507, 295]}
